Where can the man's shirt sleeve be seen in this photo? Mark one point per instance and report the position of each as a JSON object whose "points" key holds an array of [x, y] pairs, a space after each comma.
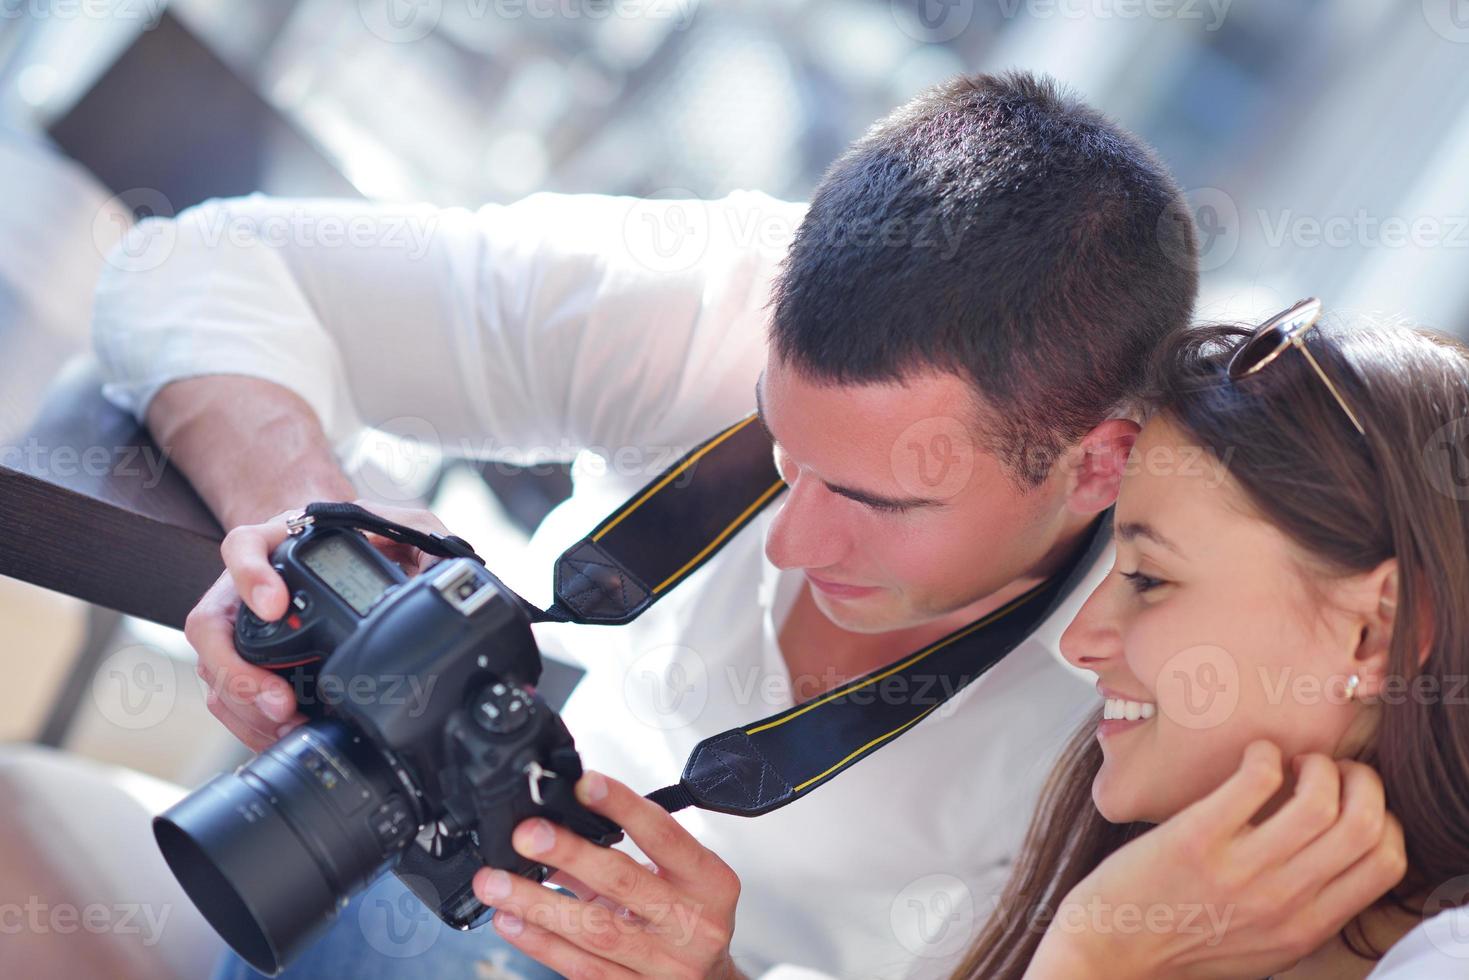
{"points": [[525, 332]]}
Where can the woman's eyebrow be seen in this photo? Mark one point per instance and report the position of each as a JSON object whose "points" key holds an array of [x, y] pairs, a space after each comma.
{"points": [[1129, 530]]}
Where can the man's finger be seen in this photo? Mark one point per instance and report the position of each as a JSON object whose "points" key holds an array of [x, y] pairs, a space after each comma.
{"points": [[254, 739], [609, 873], [586, 892], [573, 884], [262, 699], [591, 927], [666, 843], [551, 950], [246, 551]]}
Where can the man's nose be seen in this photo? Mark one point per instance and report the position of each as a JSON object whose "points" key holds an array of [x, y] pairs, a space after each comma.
{"points": [[1094, 638], [806, 532]]}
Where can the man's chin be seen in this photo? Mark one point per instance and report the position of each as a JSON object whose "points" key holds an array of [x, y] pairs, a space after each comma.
{"points": [[868, 614]]}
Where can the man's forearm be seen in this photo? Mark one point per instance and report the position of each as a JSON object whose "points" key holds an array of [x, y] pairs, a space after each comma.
{"points": [[251, 448]]}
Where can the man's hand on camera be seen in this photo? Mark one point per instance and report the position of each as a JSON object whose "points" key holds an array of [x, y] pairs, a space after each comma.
{"points": [[674, 919], [254, 704]]}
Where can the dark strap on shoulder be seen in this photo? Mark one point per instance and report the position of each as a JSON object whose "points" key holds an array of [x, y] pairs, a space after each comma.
{"points": [[665, 533], [669, 529], [760, 767]]}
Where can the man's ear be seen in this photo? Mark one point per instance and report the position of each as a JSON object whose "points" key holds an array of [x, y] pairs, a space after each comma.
{"points": [[1096, 464]]}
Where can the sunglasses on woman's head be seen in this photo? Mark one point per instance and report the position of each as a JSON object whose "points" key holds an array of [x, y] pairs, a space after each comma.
{"points": [[1270, 340]]}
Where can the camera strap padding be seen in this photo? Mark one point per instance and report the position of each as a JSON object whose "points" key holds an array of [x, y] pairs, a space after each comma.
{"points": [[676, 523], [668, 529]]}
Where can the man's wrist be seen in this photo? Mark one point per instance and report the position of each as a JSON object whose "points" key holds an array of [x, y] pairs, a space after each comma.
{"points": [[257, 507], [251, 449]]}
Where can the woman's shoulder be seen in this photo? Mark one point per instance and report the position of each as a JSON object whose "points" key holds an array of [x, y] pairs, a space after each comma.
{"points": [[1437, 949]]}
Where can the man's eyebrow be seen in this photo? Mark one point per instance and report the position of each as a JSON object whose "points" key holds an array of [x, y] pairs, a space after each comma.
{"points": [[878, 500], [1130, 530]]}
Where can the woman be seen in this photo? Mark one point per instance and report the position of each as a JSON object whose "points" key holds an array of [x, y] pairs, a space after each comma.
{"points": [[1313, 575]]}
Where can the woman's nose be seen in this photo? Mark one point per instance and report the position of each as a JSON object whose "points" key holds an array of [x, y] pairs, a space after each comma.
{"points": [[1093, 638], [806, 532]]}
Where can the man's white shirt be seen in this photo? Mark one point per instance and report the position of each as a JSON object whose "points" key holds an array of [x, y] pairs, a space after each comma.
{"points": [[632, 328]]}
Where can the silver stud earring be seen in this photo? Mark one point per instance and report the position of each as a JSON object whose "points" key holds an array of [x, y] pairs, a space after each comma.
{"points": [[1352, 683]]}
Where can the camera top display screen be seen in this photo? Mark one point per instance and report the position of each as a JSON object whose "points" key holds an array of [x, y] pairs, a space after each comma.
{"points": [[358, 582]]}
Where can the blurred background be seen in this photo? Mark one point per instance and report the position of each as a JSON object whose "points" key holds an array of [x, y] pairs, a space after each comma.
{"points": [[1324, 149], [1323, 146]]}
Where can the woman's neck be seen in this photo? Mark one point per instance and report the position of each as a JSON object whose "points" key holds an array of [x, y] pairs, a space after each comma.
{"points": [[1383, 925]]}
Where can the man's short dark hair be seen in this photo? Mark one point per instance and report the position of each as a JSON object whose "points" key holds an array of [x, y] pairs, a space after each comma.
{"points": [[999, 228]]}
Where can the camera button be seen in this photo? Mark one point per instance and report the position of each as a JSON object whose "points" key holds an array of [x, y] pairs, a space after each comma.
{"points": [[392, 823]]}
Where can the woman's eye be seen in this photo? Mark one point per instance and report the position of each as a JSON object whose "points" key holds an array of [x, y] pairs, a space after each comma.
{"points": [[888, 508], [1142, 583]]}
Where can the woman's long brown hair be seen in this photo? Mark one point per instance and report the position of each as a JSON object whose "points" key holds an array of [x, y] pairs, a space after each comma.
{"points": [[1349, 503]]}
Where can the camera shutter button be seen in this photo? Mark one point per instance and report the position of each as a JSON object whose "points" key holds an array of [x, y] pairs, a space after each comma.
{"points": [[502, 708]]}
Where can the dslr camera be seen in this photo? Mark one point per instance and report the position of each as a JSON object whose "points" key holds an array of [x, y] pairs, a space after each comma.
{"points": [[428, 786]]}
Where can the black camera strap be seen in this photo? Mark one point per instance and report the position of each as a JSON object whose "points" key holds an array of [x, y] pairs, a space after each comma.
{"points": [[676, 523]]}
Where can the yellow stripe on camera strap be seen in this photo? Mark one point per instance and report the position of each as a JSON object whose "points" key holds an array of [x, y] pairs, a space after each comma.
{"points": [[681, 519], [668, 529]]}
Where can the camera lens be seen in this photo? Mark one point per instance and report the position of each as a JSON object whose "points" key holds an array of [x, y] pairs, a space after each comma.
{"points": [[270, 852]]}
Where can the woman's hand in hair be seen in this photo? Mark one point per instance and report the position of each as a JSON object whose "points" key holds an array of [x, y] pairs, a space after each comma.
{"points": [[1245, 882]]}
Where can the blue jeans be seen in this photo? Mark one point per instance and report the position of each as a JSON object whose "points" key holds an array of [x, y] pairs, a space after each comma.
{"points": [[385, 933]]}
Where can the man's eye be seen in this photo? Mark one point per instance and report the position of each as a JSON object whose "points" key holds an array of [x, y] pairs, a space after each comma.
{"points": [[885, 508], [1142, 583]]}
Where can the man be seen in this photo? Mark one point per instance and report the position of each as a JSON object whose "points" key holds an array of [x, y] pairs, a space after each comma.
{"points": [[954, 334]]}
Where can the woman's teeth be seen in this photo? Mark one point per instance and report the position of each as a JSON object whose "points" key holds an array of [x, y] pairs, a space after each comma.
{"points": [[1118, 709]]}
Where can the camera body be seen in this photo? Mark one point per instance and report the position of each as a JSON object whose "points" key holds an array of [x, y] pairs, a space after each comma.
{"points": [[427, 744]]}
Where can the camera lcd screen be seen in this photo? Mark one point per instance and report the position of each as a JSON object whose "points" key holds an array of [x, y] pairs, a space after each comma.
{"points": [[358, 582]]}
